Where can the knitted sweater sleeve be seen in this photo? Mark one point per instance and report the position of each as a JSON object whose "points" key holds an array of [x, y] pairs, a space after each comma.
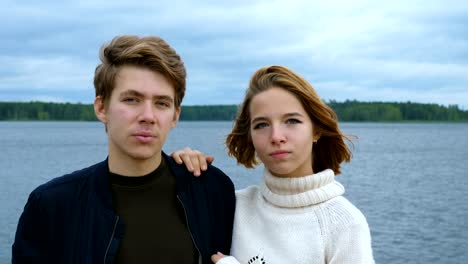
{"points": [[351, 244]]}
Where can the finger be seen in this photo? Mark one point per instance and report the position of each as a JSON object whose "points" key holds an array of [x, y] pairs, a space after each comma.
{"points": [[185, 155], [199, 162], [195, 161], [176, 156], [202, 160], [187, 160], [209, 159], [216, 257]]}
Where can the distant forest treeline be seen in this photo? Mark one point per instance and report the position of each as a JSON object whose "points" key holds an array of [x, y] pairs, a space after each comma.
{"points": [[348, 111]]}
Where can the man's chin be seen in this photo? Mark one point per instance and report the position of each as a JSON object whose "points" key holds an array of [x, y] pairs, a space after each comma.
{"points": [[146, 155]]}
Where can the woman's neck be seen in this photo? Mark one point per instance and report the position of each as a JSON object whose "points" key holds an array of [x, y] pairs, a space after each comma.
{"points": [[301, 191]]}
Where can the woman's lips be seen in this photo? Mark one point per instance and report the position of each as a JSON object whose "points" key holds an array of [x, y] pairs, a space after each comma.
{"points": [[279, 154]]}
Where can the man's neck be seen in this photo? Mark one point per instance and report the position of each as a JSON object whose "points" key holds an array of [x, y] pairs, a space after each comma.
{"points": [[133, 167]]}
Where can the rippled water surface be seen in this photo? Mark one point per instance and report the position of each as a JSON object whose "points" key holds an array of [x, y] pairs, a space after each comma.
{"points": [[410, 180]]}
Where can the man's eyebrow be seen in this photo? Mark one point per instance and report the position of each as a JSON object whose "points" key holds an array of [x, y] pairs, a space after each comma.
{"points": [[130, 93], [163, 97], [138, 94]]}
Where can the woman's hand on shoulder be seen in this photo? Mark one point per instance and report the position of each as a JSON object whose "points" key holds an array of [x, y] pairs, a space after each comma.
{"points": [[219, 258], [195, 160]]}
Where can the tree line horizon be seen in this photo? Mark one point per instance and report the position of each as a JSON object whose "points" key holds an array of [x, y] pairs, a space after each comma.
{"points": [[347, 111]]}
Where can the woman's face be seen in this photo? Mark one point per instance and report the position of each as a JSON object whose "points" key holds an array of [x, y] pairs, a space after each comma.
{"points": [[282, 133]]}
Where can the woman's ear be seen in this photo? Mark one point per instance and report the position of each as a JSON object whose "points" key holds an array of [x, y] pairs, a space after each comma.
{"points": [[100, 109], [316, 135]]}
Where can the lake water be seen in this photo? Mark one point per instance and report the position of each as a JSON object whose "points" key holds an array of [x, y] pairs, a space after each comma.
{"points": [[410, 180]]}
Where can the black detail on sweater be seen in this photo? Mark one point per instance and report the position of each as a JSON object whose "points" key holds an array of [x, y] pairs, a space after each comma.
{"points": [[256, 259]]}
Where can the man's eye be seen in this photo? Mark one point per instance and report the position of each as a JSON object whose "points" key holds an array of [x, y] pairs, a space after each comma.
{"points": [[130, 100], [163, 104]]}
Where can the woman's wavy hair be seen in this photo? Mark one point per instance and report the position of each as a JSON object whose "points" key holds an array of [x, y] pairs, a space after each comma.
{"points": [[151, 53], [328, 152]]}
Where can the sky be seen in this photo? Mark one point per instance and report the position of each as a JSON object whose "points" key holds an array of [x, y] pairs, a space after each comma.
{"points": [[391, 51]]}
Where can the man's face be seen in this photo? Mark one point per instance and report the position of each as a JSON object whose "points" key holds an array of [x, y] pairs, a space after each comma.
{"points": [[139, 115]]}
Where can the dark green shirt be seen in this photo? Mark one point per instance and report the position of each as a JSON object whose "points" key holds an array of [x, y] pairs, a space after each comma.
{"points": [[155, 223]]}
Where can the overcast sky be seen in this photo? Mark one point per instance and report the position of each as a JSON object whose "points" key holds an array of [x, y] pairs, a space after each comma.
{"points": [[365, 50]]}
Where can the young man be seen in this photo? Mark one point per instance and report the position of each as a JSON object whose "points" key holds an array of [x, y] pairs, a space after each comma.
{"points": [[137, 206]]}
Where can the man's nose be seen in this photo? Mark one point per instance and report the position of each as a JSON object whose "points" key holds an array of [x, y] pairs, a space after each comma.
{"points": [[147, 113]]}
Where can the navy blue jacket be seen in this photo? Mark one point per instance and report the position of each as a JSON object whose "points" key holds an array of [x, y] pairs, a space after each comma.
{"points": [[71, 219]]}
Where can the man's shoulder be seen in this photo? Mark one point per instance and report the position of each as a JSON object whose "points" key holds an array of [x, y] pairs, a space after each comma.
{"points": [[71, 180], [213, 173]]}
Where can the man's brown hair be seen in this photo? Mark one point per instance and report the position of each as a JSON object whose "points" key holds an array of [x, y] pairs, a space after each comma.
{"points": [[152, 53]]}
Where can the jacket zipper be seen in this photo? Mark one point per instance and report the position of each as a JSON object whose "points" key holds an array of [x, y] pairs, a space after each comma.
{"points": [[111, 238], [190, 232]]}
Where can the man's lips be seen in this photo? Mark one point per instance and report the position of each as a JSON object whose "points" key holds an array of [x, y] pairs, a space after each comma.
{"points": [[279, 154], [144, 137]]}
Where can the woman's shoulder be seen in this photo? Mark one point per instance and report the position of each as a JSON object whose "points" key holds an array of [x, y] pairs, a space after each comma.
{"points": [[339, 211], [248, 192], [249, 196]]}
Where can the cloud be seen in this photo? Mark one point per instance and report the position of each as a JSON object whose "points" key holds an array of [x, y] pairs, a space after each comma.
{"points": [[361, 49], [35, 73]]}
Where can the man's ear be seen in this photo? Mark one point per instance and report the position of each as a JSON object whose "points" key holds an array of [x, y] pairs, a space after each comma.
{"points": [[100, 109], [175, 120]]}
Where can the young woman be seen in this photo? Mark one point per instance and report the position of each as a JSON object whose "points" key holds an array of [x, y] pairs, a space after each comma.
{"points": [[298, 214]]}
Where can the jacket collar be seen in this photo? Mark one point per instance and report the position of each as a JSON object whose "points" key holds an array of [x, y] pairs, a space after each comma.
{"points": [[102, 186]]}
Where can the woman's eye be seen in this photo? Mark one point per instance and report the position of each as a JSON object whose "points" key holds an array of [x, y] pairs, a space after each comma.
{"points": [[293, 121], [260, 125]]}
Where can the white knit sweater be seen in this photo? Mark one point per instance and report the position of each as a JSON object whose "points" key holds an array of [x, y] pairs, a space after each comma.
{"points": [[298, 220]]}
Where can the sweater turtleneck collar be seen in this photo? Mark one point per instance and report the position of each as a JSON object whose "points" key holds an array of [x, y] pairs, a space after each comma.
{"points": [[302, 191]]}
